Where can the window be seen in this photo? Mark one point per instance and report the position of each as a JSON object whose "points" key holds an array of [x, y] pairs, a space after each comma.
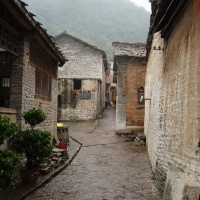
{"points": [[6, 82], [77, 84], [59, 101], [5, 62], [42, 85], [46, 70], [141, 96]]}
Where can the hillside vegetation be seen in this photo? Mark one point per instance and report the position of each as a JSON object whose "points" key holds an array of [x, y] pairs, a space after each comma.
{"points": [[98, 22]]}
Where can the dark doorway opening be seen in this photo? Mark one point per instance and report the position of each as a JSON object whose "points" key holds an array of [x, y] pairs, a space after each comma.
{"points": [[77, 84]]}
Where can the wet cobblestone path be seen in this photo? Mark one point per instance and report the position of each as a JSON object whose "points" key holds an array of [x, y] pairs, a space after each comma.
{"points": [[107, 167]]}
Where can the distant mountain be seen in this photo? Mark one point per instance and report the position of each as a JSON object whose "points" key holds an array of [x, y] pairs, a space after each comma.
{"points": [[98, 22]]}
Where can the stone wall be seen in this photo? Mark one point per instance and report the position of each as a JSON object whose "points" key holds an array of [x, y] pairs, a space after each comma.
{"points": [[23, 91], [172, 123], [84, 61], [85, 64], [75, 107]]}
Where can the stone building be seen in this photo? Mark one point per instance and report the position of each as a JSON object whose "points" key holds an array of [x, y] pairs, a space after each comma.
{"points": [[129, 73], [172, 119], [28, 65], [81, 80]]}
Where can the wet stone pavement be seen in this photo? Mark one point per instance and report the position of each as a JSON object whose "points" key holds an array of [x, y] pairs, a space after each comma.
{"points": [[107, 167]]}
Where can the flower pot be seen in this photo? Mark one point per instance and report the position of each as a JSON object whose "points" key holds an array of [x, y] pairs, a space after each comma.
{"points": [[29, 176]]}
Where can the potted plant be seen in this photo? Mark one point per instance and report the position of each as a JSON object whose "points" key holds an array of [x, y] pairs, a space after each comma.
{"points": [[34, 144], [9, 160]]}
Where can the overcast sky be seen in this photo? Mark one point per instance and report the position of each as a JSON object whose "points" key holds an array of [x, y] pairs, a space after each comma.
{"points": [[143, 3]]}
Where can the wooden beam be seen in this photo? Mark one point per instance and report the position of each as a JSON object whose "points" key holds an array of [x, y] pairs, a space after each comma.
{"points": [[17, 14]]}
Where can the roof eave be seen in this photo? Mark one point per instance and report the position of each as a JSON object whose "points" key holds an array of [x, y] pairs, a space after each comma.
{"points": [[17, 8]]}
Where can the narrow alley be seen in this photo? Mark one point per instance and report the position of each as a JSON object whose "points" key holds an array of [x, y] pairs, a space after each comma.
{"points": [[107, 167]]}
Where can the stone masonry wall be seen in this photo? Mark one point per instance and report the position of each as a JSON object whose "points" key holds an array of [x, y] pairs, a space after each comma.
{"points": [[135, 79], [84, 61], [23, 94], [172, 121], [86, 64], [77, 108]]}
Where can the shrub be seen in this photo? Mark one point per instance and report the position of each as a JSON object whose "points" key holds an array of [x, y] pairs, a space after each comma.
{"points": [[9, 160], [34, 116], [7, 128], [35, 144], [9, 170]]}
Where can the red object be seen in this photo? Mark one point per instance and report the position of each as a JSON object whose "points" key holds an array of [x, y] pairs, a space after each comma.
{"points": [[63, 145]]}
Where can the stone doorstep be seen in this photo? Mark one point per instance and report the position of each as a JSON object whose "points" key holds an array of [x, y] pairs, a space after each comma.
{"points": [[130, 130], [133, 135]]}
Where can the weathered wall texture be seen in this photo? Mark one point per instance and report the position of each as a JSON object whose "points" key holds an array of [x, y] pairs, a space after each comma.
{"points": [[121, 98], [130, 76], [135, 79], [75, 108], [154, 107], [23, 92], [172, 123], [85, 64], [84, 61]]}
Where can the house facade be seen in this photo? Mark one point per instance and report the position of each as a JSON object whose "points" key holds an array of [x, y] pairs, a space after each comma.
{"points": [[82, 84], [129, 74], [172, 119], [28, 65]]}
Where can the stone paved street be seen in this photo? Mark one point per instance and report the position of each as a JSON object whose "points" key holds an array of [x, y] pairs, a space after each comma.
{"points": [[107, 167]]}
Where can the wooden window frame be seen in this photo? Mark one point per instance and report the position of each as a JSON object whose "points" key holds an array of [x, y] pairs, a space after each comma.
{"points": [[45, 70], [43, 85]]}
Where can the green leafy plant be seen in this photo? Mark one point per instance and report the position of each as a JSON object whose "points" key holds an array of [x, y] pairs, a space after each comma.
{"points": [[7, 128], [9, 170], [34, 116], [9, 160], [34, 144]]}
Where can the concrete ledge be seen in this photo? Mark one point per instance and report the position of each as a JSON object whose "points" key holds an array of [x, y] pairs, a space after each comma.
{"points": [[180, 187], [129, 129], [8, 110]]}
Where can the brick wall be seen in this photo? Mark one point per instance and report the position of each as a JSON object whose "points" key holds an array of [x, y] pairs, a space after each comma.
{"points": [[135, 80], [172, 121], [154, 111], [130, 76]]}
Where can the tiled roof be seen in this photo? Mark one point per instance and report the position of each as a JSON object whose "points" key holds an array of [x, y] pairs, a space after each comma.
{"points": [[25, 18], [129, 49], [65, 34]]}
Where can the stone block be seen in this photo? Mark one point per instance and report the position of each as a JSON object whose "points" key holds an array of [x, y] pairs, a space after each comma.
{"points": [[180, 187]]}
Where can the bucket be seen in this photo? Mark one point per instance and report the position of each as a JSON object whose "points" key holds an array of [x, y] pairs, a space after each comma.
{"points": [[63, 145]]}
